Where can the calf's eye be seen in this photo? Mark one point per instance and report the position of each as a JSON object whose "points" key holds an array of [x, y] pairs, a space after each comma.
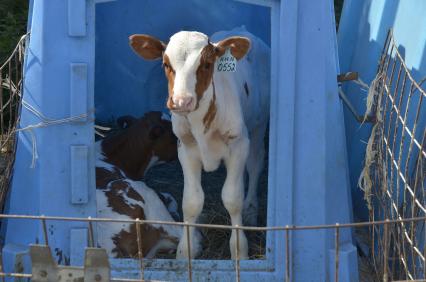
{"points": [[207, 66]]}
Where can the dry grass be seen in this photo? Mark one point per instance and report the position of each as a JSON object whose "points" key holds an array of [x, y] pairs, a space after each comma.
{"points": [[365, 264], [168, 178]]}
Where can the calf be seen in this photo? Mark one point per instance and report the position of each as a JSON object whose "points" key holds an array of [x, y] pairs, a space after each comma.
{"points": [[216, 115], [121, 158]]}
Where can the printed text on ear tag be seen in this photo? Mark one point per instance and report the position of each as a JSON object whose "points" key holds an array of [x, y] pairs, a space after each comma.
{"points": [[227, 62]]}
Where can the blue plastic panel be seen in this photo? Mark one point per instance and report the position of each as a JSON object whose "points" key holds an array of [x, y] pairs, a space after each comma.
{"points": [[79, 174], [78, 243], [79, 89], [76, 17]]}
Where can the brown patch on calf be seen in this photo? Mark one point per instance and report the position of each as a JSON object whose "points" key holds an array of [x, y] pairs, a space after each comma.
{"points": [[132, 148], [204, 73], [188, 139], [147, 46], [210, 114], [126, 241], [246, 89], [105, 176], [239, 46], [117, 202], [170, 75]]}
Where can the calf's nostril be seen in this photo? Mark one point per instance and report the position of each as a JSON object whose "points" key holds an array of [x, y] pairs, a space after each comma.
{"points": [[188, 102]]}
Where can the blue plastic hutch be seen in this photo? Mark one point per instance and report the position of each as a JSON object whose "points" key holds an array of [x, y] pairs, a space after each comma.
{"points": [[78, 62]]}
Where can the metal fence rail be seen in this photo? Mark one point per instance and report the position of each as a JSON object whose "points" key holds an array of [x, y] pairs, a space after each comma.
{"points": [[11, 79], [394, 175], [287, 231]]}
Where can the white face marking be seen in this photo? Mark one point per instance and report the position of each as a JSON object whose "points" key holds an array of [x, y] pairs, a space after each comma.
{"points": [[183, 51]]}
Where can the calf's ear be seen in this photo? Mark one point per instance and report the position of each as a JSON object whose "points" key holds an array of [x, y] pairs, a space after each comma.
{"points": [[146, 46], [125, 121], [238, 45]]}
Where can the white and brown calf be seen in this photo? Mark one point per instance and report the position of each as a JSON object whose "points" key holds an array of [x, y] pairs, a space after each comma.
{"points": [[216, 116], [122, 159]]}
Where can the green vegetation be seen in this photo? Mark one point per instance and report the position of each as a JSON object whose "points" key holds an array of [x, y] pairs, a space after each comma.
{"points": [[13, 24], [338, 5]]}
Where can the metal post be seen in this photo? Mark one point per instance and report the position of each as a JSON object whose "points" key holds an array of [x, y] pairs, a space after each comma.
{"points": [[287, 254], [43, 222], [140, 253], [188, 242], [385, 252], [91, 236], [336, 248], [237, 255]]}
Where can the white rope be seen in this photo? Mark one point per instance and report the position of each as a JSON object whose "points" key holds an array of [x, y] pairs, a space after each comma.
{"points": [[45, 122], [361, 83], [104, 128]]}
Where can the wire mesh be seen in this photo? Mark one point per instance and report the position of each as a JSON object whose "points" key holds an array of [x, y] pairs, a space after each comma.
{"points": [[287, 231], [394, 177], [11, 78]]}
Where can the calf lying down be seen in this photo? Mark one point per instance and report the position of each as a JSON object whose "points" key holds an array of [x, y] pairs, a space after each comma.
{"points": [[143, 143]]}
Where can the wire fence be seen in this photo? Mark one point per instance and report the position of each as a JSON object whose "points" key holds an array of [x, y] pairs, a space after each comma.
{"points": [[394, 175], [11, 80], [286, 231]]}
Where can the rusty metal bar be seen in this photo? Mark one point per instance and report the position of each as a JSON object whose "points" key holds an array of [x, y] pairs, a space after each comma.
{"points": [[237, 255], [336, 248], [349, 76], [424, 249], [10, 93], [351, 108], [91, 234], [1, 107], [140, 253], [215, 226], [16, 275], [1, 266], [43, 222], [385, 252], [384, 52], [287, 254], [188, 242]]}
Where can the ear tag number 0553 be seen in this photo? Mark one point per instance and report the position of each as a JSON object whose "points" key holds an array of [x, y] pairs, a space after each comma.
{"points": [[227, 62]]}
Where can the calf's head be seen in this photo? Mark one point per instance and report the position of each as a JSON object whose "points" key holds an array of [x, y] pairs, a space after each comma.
{"points": [[142, 140], [188, 61]]}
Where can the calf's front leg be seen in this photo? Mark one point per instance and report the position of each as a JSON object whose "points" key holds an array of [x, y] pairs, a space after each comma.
{"points": [[233, 192], [193, 198]]}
